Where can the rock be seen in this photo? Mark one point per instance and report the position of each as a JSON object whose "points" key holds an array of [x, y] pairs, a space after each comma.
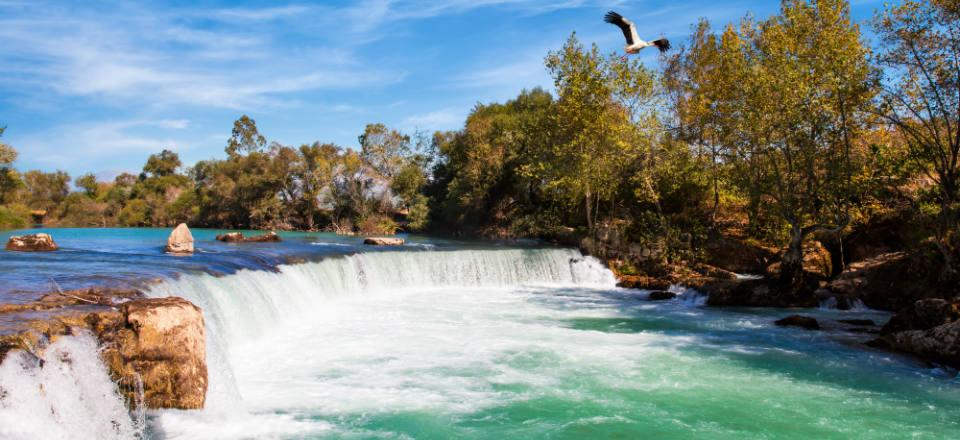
{"points": [[924, 314], [167, 348], [805, 322], [237, 237], [661, 295], [159, 341], [32, 243], [895, 280], [938, 344], [231, 237], [714, 272], [643, 282], [180, 241], [858, 322], [383, 241], [269, 237]]}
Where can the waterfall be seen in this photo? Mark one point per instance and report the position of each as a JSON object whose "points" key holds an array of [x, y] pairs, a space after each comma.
{"points": [[241, 307], [70, 397]]}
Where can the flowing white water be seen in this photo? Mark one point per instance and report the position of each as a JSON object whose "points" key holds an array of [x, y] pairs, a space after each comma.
{"points": [[292, 311], [71, 397]]}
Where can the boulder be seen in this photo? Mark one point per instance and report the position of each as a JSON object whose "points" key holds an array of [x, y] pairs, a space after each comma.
{"points": [[801, 321], [32, 243], [180, 241], [231, 237], [238, 237], [269, 237], [661, 295], [930, 328], [893, 281], [383, 241]]}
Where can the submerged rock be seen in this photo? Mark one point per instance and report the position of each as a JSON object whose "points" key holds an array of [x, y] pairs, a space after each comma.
{"points": [[238, 237], [661, 295], [32, 243], [180, 241], [859, 322], [383, 241], [801, 321]]}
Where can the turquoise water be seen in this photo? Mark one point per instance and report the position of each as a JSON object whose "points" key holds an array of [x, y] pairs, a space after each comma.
{"points": [[454, 340]]}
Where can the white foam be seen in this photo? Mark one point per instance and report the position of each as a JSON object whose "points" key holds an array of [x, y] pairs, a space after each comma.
{"points": [[70, 397]]}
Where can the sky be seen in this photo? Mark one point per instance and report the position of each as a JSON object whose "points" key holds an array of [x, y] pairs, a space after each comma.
{"points": [[97, 86]]}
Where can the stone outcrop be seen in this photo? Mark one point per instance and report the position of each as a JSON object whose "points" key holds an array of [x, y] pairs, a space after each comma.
{"points": [[32, 243], [180, 241], [804, 322], [893, 281], [159, 341], [238, 237], [383, 241], [929, 328]]}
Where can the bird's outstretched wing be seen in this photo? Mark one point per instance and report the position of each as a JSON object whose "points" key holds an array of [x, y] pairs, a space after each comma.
{"points": [[629, 31], [663, 44]]}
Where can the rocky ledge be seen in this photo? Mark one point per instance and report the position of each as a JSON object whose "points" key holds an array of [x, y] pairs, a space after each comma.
{"points": [[32, 243], [159, 341], [238, 237], [929, 328]]}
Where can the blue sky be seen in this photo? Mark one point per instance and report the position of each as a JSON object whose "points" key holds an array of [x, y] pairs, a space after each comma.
{"points": [[97, 86]]}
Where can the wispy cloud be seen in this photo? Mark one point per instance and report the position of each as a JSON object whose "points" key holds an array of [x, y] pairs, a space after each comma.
{"points": [[444, 119]]}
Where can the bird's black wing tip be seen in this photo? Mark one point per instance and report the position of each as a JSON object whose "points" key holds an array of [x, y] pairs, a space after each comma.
{"points": [[663, 44], [612, 17]]}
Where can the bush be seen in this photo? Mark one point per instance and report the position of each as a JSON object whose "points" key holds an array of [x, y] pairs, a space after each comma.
{"points": [[378, 225], [14, 217]]}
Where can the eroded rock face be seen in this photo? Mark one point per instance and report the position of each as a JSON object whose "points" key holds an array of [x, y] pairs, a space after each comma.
{"points": [[737, 255], [32, 243], [164, 342], [159, 341], [180, 241], [383, 241]]}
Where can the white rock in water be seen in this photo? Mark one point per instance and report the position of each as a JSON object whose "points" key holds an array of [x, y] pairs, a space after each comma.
{"points": [[383, 241], [180, 241]]}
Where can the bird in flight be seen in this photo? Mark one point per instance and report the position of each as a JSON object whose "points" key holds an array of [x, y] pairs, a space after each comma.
{"points": [[634, 43]]}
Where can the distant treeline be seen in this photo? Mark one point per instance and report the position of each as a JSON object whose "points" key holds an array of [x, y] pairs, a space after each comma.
{"points": [[784, 128]]}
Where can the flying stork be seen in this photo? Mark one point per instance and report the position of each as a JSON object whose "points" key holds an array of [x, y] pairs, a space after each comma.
{"points": [[634, 43]]}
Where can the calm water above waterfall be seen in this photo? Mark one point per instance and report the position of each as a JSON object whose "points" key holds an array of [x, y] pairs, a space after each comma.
{"points": [[453, 340]]}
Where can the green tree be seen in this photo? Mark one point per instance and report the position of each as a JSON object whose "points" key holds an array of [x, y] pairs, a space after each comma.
{"points": [[166, 163], [88, 183], [9, 178], [245, 138], [46, 191]]}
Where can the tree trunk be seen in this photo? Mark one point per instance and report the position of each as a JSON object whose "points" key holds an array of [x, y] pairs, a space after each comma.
{"points": [[791, 266], [586, 200]]}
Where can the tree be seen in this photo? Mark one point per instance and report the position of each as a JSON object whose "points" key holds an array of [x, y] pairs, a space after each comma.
{"points": [[384, 149], [9, 178], [245, 138], [88, 183], [921, 99], [46, 191], [166, 163]]}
